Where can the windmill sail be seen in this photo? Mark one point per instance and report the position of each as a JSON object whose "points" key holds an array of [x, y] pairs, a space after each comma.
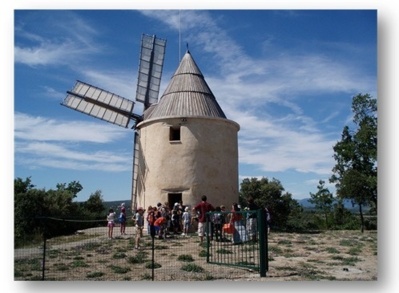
{"points": [[100, 104], [138, 170], [150, 69], [115, 109]]}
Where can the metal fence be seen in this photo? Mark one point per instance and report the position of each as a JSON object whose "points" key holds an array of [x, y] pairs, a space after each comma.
{"points": [[243, 245], [88, 254]]}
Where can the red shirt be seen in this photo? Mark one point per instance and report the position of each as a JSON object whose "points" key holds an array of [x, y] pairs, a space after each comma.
{"points": [[203, 207], [235, 216], [159, 221]]}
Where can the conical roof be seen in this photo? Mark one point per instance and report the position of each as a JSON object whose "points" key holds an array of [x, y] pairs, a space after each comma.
{"points": [[187, 95]]}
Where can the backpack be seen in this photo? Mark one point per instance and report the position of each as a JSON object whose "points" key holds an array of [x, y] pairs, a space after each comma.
{"points": [[122, 218]]}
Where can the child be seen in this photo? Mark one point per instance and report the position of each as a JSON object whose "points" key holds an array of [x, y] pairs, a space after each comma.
{"points": [[186, 221], [139, 225], [175, 222], [217, 222], [160, 225], [111, 222], [150, 218]]}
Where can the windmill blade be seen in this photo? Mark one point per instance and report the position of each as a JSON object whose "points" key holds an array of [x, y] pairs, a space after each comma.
{"points": [[139, 169], [150, 69], [100, 104]]}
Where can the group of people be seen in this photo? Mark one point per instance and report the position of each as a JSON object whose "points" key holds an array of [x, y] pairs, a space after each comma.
{"points": [[162, 220], [242, 230], [111, 219], [138, 219]]}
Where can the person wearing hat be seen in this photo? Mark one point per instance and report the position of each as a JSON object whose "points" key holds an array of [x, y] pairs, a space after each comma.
{"points": [[139, 217], [122, 207]]}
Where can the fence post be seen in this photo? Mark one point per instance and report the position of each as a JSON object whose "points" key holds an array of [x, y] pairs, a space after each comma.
{"points": [[44, 223], [152, 232], [207, 229], [263, 257]]}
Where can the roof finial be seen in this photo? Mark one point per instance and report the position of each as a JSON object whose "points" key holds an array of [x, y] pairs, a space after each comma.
{"points": [[187, 48]]}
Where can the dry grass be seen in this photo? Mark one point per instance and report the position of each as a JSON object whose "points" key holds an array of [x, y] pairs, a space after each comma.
{"points": [[332, 255]]}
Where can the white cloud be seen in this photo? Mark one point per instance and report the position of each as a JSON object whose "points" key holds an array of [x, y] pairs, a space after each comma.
{"points": [[244, 85], [44, 149], [43, 154], [45, 129], [249, 90], [43, 142], [76, 44]]}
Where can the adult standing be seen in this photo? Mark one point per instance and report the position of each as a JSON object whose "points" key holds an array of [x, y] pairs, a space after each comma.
{"points": [[252, 218], [240, 233], [202, 208], [122, 219]]}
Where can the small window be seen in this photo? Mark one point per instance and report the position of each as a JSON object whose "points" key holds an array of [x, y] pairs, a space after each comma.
{"points": [[174, 133]]}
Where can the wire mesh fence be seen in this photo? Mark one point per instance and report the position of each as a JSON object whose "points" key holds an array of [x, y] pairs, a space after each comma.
{"points": [[89, 254]]}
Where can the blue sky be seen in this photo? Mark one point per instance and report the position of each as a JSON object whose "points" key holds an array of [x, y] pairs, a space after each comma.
{"points": [[286, 76]]}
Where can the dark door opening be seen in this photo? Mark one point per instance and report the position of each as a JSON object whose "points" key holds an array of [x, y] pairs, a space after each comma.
{"points": [[174, 197]]}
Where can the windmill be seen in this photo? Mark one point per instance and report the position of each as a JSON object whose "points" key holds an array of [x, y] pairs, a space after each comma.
{"points": [[112, 108]]}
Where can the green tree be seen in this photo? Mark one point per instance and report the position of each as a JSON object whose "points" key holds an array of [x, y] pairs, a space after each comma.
{"points": [[29, 207], [60, 203], [355, 172], [35, 210], [269, 193], [74, 187], [48, 213], [323, 200], [22, 186], [95, 204]]}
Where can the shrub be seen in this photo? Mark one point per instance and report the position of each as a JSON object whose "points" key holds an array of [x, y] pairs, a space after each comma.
{"points": [[191, 267], [92, 275], [119, 255], [370, 223], [79, 264], [203, 253], [149, 265], [185, 257], [332, 250], [119, 270], [138, 258]]}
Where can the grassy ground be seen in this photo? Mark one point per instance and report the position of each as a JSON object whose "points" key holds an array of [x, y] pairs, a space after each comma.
{"points": [[332, 255]]}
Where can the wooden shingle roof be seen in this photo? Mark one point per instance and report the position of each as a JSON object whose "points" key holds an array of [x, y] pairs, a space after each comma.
{"points": [[187, 94]]}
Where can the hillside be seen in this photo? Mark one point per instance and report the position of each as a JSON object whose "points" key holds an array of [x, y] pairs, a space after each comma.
{"points": [[347, 204]]}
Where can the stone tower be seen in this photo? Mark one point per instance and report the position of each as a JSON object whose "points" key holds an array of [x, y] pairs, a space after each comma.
{"points": [[188, 148]]}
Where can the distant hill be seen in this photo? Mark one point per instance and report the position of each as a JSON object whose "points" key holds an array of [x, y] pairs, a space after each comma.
{"points": [[116, 204], [347, 204]]}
